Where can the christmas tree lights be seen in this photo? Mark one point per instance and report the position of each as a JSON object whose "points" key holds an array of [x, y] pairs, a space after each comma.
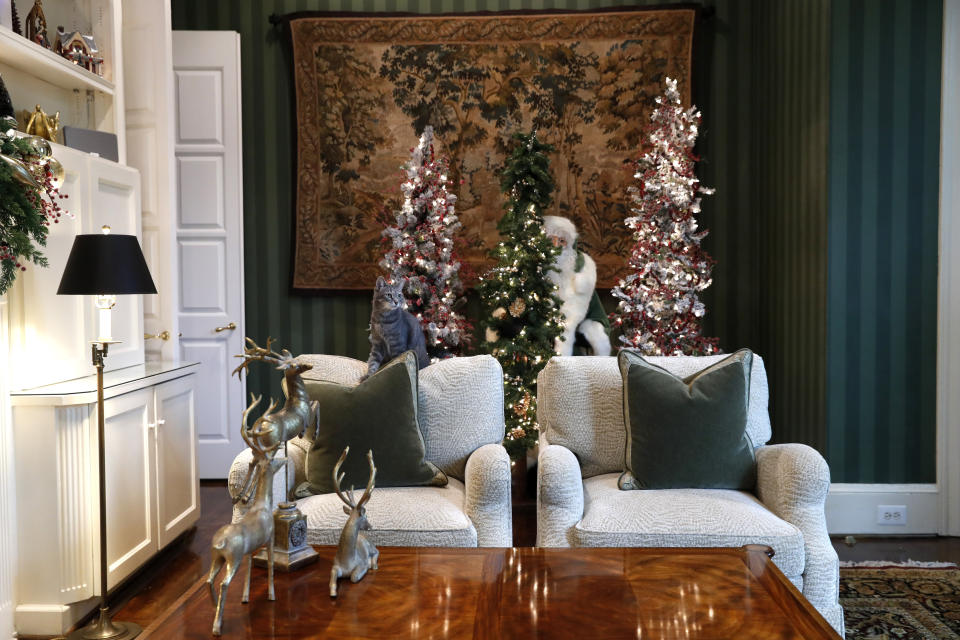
{"points": [[421, 251], [520, 303], [660, 311]]}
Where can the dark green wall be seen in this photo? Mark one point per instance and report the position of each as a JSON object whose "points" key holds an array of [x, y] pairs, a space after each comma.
{"points": [[764, 78], [790, 110], [882, 293]]}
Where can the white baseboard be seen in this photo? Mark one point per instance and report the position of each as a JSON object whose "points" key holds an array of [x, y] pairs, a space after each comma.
{"points": [[852, 509], [51, 619]]}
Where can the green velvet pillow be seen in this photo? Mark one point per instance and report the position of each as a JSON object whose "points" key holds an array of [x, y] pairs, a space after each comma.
{"points": [[379, 414], [687, 433]]}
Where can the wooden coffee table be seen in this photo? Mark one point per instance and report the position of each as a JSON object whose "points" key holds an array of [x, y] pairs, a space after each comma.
{"points": [[516, 593]]}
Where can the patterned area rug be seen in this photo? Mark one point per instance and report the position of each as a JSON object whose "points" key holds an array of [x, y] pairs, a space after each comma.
{"points": [[894, 602]]}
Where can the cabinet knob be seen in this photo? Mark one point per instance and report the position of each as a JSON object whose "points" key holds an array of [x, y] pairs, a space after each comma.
{"points": [[229, 327], [163, 335]]}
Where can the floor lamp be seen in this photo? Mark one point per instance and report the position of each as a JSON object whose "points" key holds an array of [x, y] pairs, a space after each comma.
{"points": [[105, 265]]}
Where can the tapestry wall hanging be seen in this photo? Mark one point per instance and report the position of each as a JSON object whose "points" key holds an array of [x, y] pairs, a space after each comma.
{"points": [[366, 86]]}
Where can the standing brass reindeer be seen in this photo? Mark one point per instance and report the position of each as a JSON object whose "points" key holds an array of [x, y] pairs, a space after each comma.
{"points": [[255, 529], [298, 411], [355, 553]]}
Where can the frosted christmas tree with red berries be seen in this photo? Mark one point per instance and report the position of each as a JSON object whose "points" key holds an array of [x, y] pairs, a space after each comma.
{"points": [[421, 251], [659, 310]]}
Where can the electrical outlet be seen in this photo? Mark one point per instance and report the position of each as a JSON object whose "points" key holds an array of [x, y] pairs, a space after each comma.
{"points": [[894, 514]]}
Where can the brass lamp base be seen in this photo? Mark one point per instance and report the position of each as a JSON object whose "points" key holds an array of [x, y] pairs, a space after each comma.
{"points": [[103, 628], [290, 548]]}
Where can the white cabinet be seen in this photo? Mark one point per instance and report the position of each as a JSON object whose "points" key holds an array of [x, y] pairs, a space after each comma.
{"points": [[151, 483], [178, 503], [131, 482], [50, 334]]}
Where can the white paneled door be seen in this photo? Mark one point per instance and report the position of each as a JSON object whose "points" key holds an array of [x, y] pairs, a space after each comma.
{"points": [[206, 70]]}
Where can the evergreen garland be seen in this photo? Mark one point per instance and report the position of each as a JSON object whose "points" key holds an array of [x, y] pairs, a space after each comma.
{"points": [[520, 304], [25, 215]]}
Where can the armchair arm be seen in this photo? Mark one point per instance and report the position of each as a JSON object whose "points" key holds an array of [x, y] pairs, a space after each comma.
{"points": [[793, 481], [238, 473], [559, 496], [487, 479]]}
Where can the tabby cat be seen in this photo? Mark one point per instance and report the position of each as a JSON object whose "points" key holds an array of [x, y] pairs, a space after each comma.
{"points": [[393, 329]]}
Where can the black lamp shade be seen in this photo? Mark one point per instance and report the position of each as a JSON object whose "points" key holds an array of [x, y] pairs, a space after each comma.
{"points": [[105, 265]]}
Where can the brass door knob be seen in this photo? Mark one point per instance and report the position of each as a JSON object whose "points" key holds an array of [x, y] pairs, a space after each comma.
{"points": [[229, 327], [163, 335]]}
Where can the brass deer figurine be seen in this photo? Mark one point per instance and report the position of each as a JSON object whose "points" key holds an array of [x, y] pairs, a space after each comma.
{"points": [[355, 553], [298, 411], [255, 529]]}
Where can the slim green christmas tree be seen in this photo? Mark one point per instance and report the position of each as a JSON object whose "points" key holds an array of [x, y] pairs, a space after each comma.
{"points": [[520, 303]]}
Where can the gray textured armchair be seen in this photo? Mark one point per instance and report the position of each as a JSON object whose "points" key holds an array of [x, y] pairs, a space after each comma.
{"points": [[580, 411], [461, 419]]}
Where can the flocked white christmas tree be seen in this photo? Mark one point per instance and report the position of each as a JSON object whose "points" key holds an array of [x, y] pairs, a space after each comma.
{"points": [[422, 251], [659, 310]]}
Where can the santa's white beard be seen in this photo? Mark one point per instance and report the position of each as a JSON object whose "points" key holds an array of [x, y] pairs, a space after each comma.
{"points": [[566, 262]]}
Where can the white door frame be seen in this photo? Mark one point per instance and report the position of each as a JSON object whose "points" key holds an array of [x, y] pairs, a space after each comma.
{"points": [[948, 312]]}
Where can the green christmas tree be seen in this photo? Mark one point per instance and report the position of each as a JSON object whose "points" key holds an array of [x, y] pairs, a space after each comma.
{"points": [[520, 303]]}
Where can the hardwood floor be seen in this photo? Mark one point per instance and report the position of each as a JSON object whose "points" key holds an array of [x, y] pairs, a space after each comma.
{"points": [[893, 549], [163, 580]]}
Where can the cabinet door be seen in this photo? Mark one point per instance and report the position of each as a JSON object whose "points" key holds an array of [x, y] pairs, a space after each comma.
{"points": [[131, 515], [178, 504]]}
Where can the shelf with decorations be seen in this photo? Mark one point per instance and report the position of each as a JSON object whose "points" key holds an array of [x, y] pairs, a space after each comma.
{"points": [[35, 74], [43, 64]]}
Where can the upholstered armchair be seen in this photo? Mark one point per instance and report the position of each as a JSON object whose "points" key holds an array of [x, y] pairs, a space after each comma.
{"points": [[461, 419], [580, 411]]}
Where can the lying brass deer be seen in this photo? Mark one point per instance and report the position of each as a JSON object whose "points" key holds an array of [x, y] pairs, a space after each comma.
{"points": [[355, 553], [298, 411], [234, 541]]}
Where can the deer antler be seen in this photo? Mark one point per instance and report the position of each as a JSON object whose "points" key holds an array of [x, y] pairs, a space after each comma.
{"points": [[244, 429], [373, 475], [259, 425], [245, 487], [283, 360], [338, 478], [349, 499]]}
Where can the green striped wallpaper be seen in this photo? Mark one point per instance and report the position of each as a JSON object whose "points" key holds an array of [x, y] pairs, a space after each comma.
{"points": [[882, 292], [765, 80], [790, 103]]}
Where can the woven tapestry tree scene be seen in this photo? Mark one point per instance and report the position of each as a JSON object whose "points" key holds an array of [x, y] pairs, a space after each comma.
{"points": [[366, 87]]}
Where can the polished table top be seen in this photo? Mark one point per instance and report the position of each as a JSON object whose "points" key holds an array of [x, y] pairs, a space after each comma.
{"points": [[517, 593]]}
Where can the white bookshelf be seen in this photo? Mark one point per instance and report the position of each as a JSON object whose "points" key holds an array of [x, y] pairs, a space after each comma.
{"points": [[36, 75], [43, 64]]}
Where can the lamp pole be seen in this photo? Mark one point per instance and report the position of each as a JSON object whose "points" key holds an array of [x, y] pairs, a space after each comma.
{"points": [[104, 628]]}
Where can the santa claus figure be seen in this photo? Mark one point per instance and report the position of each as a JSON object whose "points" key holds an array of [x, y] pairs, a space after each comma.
{"points": [[576, 278]]}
